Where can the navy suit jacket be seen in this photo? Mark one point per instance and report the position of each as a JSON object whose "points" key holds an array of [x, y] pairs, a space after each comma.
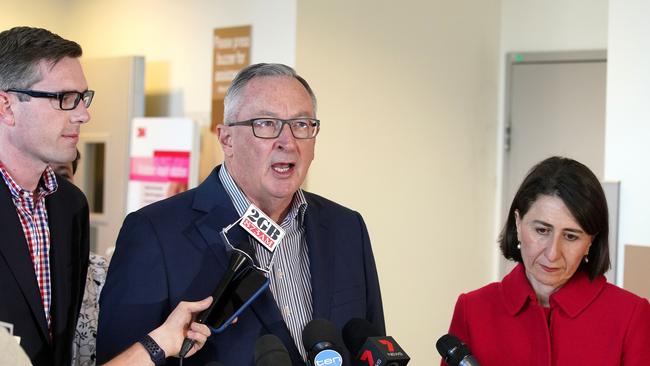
{"points": [[20, 299], [170, 251]]}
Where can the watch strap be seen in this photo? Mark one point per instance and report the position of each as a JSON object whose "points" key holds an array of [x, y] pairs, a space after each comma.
{"points": [[155, 352]]}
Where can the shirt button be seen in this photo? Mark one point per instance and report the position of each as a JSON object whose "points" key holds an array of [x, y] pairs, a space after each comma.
{"points": [[280, 274]]}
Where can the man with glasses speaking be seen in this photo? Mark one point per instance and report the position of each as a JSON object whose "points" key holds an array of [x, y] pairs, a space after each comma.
{"points": [[44, 100], [178, 249]]}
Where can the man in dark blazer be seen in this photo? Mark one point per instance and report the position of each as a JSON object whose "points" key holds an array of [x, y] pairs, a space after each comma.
{"points": [[172, 251], [44, 232]]}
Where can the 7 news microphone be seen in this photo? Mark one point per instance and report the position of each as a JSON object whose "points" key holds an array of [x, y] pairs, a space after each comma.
{"points": [[455, 352], [369, 347], [237, 262], [323, 343]]}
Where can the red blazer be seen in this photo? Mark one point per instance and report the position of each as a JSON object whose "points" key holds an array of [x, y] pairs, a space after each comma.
{"points": [[591, 323]]}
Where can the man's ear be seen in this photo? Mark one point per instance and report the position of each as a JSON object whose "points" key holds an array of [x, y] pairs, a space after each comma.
{"points": [[6, 114], [224, 133]]}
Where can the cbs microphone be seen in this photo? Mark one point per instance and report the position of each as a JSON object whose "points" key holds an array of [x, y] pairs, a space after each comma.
{"points": [[269, 351], [323, 344], [238, 261], [369, 347], [454, 352]]}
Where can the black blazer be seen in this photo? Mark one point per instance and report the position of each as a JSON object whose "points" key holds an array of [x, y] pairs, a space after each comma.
{"points": [[20, 299], [170, 251]]}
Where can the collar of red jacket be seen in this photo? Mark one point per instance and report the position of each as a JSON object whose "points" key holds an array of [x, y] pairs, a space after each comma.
{"points": [[572, 298]]}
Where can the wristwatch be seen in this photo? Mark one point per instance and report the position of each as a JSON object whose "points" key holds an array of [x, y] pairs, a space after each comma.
{"points": [[155, 352]]}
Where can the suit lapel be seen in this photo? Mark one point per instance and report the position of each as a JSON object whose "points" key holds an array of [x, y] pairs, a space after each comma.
{"points": [[15, 251], [209, 227], [212, 199], [321, 259]]}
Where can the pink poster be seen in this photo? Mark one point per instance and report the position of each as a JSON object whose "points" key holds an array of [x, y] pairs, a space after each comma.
{"points": [[161, 159]]}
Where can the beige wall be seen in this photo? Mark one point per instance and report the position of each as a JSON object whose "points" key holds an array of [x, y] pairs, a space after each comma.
{"points": [[44, 13], [407, 98], [175, 37], [538, 25]]}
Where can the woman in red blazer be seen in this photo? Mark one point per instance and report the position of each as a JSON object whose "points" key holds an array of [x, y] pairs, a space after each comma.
{"points": [[555, 307]]}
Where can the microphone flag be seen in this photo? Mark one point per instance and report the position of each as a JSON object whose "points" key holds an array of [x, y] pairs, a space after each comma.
{"points": [[262, 228], [379, 350]]}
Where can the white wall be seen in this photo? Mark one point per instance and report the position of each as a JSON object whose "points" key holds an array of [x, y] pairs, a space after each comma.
{"points": [[628, 115], [542, 25], [407, 98]]}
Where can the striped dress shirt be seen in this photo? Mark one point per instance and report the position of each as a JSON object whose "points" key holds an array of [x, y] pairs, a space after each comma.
{"points": [[289, 276], [32, 213]]}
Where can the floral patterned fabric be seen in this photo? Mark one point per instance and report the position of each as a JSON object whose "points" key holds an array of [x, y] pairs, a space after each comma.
{"points": [[85, 338]]}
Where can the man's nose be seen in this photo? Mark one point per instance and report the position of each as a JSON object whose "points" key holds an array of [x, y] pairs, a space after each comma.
{"points": [[80, 114]]}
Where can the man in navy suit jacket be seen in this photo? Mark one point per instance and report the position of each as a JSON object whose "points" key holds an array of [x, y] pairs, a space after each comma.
{"points": [[171, 251]]}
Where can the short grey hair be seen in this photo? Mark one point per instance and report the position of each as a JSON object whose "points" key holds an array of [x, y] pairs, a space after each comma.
{"points": [[231, 101]]}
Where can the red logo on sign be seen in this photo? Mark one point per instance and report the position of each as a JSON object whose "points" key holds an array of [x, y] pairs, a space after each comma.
{"points": [[142, 132], [261, 236]]}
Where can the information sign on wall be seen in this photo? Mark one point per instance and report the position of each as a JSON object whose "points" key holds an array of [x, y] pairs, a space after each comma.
{"points": [[231, 54]]}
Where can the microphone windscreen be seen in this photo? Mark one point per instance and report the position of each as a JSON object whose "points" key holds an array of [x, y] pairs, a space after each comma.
{"points": [[355, 333], [452, 349], [320, 330], [269, 351]]}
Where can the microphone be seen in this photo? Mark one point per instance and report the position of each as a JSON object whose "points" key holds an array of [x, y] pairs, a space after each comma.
{"points": [[323, 343], [369, 347], [455, 352], [237, 262], [269, 351]]}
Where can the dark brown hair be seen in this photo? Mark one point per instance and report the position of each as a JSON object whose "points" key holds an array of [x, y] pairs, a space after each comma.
{"points": [[582, 194]]}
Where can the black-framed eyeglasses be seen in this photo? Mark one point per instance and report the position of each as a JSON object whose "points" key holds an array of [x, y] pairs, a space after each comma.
{"points": [[270, 128], [68, 100]]}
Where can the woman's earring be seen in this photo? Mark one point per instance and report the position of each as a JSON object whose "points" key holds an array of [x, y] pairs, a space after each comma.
{"points": [[586, 258], [518, 245]]}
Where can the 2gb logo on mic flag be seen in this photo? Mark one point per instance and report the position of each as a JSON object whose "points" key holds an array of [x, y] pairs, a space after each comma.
{"points": [[262, 228]]}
